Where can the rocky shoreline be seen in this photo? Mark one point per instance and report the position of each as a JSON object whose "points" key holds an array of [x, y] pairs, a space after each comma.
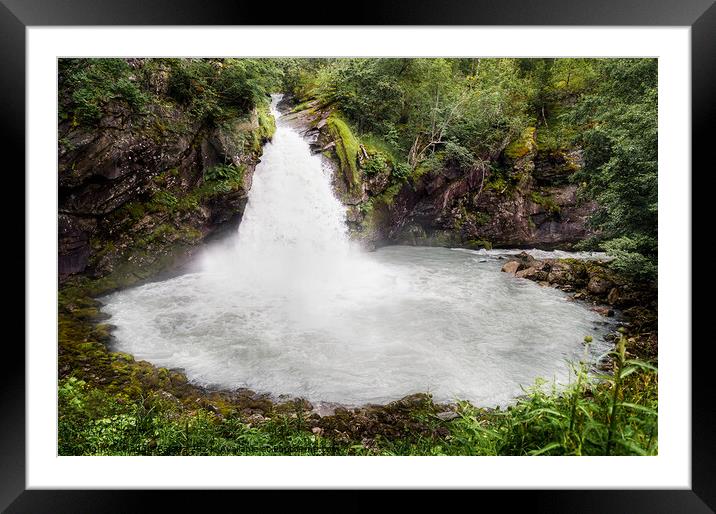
{"points": [[593, 283]]}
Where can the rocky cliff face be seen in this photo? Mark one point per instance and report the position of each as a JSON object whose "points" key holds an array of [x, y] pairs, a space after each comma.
{"points": [[531, 206], [138, 193], [522, 198]]}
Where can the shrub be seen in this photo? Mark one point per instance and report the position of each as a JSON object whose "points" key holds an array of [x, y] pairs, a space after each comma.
{"points": [[401, 171], [88, 85], [458, 155], [165, 200], [377, 163], [224, 173]]}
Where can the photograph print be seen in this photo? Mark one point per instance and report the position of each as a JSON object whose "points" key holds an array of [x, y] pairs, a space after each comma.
{"points": [[357, 256]]}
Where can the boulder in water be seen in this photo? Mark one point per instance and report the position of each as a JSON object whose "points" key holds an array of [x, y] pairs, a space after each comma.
{"points": [[526, 273], [511, 267]]}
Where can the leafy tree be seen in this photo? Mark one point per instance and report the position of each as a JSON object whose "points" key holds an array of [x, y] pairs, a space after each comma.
{"points": [[217, 89], [620, 141]]}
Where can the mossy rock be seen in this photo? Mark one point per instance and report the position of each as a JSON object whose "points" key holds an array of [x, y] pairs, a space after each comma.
{"points": [[524, 144], [546, 202], [121, 356], [479, 243], [347, 148]]}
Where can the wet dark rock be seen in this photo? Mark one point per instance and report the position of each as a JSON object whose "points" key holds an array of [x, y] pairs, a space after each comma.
{"points": [[603, 310], [525, 259], [613, 296], [599, 285], [414, 400], [341, 411], [526, 272], [121, 183], [293, 405], [73, 249]]}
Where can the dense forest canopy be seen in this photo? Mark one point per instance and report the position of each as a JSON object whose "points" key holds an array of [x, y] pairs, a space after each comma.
{"points": [[422, 114]]}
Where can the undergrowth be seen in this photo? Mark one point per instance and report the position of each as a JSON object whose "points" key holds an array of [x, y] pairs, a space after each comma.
{"points": [[597, 414]]}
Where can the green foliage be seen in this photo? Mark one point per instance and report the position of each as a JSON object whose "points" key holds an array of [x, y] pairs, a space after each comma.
{"points": [[497, 182], [135, 210], [95, 422], [481, 218], [298, 76], [365, 89], [596, 414], [496, 108], [629, 257], [464, 109], [458, 155], [620, 141], [219, 89], [224, 173], [90, 84], [213, 90], [164, 200], [401, 171], [607, 414], [303, 106], [546, 202], [267, 123], [521, 146], [479, 243], [377, 163]]}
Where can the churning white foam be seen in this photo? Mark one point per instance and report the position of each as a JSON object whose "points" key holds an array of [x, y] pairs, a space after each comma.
{"points": [[288, 306]]}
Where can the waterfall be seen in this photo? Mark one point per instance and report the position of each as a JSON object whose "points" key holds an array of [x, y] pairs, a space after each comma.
{"points": [[292, 210], [292, 241], [289, 306]]}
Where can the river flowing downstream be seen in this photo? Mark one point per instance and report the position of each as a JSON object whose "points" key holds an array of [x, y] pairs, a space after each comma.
{"points": [[289, 306]]}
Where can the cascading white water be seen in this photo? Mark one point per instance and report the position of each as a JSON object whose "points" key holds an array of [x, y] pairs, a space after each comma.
{"points": [[290, 307], [293, 240]]}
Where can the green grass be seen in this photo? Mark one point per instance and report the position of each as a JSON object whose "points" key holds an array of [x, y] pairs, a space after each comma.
{"points": [[93, 422], [596, 415]]}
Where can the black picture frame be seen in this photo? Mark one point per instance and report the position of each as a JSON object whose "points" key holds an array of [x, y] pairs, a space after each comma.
{"points": [[700, 15]]}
